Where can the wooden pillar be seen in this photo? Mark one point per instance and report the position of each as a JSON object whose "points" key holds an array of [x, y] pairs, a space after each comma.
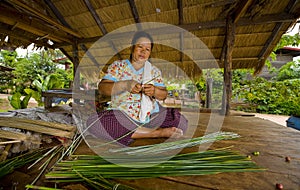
{"points": [[209, 86], [229, 43], [76, 82]]}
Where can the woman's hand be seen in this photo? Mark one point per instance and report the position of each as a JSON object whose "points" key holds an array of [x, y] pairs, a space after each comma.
{"points": [[149, 90], [134, 87]]}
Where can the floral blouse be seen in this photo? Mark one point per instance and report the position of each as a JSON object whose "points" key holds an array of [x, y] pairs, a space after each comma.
{"points": [[127, 102]]}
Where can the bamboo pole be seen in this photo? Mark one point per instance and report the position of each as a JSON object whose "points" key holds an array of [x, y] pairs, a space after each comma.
{"points": [[13, 135], [40, 122], [11, 122], [10, 142], [5, 153]]}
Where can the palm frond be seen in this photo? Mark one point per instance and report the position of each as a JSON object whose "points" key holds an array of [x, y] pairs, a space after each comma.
{"points": [[196, 163], [175, 145]]}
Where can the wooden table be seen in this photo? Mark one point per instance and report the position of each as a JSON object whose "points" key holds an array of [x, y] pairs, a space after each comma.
{"points": [[50, 94], [77, 96]]}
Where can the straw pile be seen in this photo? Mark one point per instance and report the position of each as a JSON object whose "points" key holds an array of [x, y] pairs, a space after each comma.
{"points": [[20, 134]]}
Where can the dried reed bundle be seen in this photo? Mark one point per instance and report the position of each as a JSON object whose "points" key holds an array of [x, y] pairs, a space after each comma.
{"points": [[37, 126]]}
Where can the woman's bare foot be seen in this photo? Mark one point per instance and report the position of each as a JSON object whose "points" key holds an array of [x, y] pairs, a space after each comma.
{"points": [[172, 132]]}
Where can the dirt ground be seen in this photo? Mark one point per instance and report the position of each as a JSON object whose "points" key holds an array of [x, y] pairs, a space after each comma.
{"points": [[5, 105], [273, 140]]}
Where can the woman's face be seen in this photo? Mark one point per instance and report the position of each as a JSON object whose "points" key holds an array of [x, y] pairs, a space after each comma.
{"points": [[142, 50]]}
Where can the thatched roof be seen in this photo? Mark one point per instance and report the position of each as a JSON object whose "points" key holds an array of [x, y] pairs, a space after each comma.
{"points": [[75, 26]]}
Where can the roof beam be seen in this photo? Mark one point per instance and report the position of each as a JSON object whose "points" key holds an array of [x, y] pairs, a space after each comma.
{"points": [[180, 11], [64, 22], [95, 16], [100, 24], [32, 28], [57, 13], [242, 6], [272, 18], [66, 53], [84, 48], [272, 37], [236, 14], [22, 37], [262, 55], [135, 13], [43, 17], [266, 19]]}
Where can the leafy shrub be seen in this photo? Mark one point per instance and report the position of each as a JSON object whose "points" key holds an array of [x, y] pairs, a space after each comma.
{"points": [[279, 97]]}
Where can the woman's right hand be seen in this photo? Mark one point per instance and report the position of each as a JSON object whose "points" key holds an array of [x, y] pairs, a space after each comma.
{"points": [[134, 87]]}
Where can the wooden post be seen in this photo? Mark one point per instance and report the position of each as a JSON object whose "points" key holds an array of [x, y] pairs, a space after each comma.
{"points": [[209, 84], [76, 83], [229, 43], [76, 80]]}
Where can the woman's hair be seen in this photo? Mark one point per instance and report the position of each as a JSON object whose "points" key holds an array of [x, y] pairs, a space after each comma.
{"points": [[141, 34], [138, 35]]}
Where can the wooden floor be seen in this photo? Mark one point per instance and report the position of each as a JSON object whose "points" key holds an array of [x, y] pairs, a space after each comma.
{"points": [[273, 141]]}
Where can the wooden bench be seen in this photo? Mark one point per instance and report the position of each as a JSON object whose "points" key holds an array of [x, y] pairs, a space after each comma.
{"points": [[77, 96], [49, 95]]}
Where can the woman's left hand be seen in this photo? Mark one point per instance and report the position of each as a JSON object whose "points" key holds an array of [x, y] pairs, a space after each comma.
{"points": [[149, 90]]}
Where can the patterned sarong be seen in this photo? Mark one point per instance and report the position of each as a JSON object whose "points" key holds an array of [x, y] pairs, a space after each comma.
{"points": [[113, 124]]}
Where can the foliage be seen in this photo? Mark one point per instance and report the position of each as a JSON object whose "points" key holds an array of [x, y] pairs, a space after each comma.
{"points": [[32, 67], [52, 81], [279, 97], [18, 103], [9, 58], [288, 40], [290, 70], [11, 164], [201, 84]]}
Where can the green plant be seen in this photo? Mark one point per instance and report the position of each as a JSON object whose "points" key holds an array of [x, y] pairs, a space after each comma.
{"points": [[17, 102], [276, 97], [291, 70], [29, 68], [52, 81]]}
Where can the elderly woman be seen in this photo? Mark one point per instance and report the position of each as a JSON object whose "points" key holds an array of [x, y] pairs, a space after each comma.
{"points": [[135, 85]]}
